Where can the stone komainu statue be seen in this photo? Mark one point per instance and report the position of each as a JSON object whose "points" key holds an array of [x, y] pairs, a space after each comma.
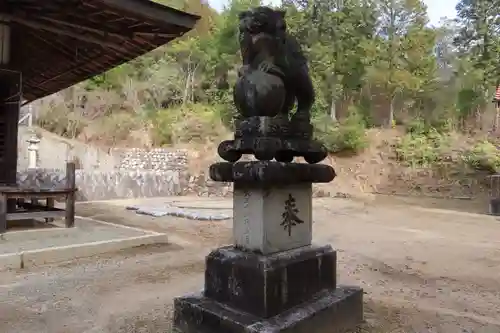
{"points": [[275, 74], [274, 77]]}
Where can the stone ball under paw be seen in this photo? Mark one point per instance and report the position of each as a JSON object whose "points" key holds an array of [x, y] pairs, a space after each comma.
{"points": [[259, 94]]}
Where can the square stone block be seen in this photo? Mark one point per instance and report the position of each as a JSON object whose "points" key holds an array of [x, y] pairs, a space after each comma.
{"points": [[269, 220], [332, 311], [268, 285]]}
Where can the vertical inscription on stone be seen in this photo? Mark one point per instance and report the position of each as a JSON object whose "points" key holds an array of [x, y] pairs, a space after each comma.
{"points": [[289, 217], [246, 218]]}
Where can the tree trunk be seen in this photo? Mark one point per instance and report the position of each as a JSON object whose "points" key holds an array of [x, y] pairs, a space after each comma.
{"points": [[185, 95], [391, 112], [193, 72], [479, 120], [333, 109], [333, 100]]}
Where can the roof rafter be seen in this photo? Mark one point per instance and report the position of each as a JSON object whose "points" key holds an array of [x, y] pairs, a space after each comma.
{"points": [[38, 25]]}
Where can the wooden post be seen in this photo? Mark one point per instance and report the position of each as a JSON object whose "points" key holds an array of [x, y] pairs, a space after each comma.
{"points": [[71, 196], [3, 214], [50, 204]]}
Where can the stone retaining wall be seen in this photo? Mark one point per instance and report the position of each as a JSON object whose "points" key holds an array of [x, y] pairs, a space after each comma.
{"points": [[96, 185], [132, 173], [158, 159], [119, 184]]}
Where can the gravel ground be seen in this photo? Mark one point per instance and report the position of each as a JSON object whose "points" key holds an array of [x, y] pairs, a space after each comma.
{"points": [[423, 271]]}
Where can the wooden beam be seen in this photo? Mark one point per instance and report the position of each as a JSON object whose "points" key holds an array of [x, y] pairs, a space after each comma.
{"points": [[156, 34], [99, 28], [153, 11], [87, 61], [28, 194], [77, 56], [39, 195], [86, 27], [30, 94], [34, 215], [38, 207], [136, 35], [37, 25], [66, 72], [47, 6], [59, 48]]}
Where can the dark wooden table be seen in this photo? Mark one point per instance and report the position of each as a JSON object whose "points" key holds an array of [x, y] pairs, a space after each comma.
{"points": [[33, 209]]}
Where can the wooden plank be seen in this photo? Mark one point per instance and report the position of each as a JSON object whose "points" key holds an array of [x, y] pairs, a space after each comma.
{"points": [[35, 215], [43, 208], [33, 190], [3, 214], [35, 195], [71, 196], [42, 26], [165, 16]]}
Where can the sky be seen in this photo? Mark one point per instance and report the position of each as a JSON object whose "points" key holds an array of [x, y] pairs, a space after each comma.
{"points": [[435, 8]]}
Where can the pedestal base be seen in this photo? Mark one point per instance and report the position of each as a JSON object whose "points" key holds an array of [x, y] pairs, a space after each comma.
{"points": [[289, 291], [332, 311], [267, 285], [495, 206]]}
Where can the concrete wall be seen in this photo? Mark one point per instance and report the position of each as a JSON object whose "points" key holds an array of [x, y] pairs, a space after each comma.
{"points": [[54, 151]]}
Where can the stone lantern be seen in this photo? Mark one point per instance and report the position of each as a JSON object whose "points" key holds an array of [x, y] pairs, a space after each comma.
{"points": [[33, 146]]}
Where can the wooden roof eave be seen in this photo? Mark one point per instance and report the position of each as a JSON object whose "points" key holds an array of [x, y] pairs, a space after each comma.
{"points": [[153, 11]]}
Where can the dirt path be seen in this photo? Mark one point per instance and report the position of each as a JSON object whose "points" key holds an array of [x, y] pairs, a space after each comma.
{"points": [[423, 271]]}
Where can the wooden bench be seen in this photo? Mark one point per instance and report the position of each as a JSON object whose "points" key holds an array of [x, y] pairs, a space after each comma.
{"points": [[33, 210]]}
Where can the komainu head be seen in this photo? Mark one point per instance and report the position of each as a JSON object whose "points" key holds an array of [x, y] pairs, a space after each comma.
{"points": [[262, 34], [262, 20]]}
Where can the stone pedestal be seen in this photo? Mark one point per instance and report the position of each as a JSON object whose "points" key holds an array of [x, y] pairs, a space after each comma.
{"points": [[290, 291], [272, 279]]}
